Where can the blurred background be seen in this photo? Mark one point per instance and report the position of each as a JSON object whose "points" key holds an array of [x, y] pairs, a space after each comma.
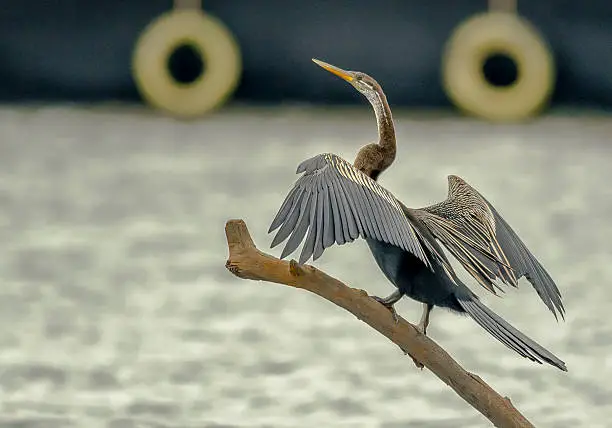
{"points": [[130, 132], [81, 50]]}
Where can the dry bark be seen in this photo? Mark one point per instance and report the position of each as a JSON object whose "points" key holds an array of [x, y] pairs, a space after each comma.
{"points": [[247, 262]]}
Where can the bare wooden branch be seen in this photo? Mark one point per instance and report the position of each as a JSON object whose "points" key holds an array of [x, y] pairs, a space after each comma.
{"points": [[246, 261]]}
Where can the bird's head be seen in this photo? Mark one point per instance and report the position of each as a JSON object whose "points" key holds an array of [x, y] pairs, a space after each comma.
{"points": [[360, 81]]}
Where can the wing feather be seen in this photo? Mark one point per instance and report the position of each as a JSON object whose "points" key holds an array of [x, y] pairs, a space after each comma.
{"points": [[299, 231], [353, 223], [336, 203], [318, 246], [343, 236], [355, 205], [362, 198], [308, 247], [338, 234], [285, 209], [328, 218], [486, 246], [287, 225], [385, 232]]}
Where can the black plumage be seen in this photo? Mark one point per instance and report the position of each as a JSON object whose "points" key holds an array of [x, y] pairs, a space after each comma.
{"points": [[336, 202]]}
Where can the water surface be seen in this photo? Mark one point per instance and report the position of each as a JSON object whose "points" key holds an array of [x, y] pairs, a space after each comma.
{"points": [[117, 309]]}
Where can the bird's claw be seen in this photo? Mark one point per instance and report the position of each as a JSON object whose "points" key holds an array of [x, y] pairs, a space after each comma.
{"points": [[389, 307]]}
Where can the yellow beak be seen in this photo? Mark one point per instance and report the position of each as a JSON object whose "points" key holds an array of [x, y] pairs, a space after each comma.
{"points": [[346, 75]]}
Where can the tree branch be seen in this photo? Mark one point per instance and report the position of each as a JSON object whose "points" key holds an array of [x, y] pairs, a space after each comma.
{"points": [[247, 262]]}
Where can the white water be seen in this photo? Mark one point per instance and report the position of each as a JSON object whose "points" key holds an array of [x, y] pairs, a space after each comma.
{"points": [[116, 308]]}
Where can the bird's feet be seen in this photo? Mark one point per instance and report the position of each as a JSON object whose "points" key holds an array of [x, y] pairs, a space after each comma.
{"points": [[424, 322], [422, 328], [389, 306]]}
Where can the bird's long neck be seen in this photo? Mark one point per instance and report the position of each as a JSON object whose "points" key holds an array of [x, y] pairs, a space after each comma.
{"points": [[384, 119], [386, 130]]}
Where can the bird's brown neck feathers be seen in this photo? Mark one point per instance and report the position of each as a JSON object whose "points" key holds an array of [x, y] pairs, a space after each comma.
{"points": [[386, 130], [373, 159]]}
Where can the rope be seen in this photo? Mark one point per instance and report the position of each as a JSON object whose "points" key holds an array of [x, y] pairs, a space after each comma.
{"points": [[502, 6], [187, 4]]}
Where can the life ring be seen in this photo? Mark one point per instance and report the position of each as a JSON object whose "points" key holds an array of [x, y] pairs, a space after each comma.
{"points": [[491, 33], [214, 43]]}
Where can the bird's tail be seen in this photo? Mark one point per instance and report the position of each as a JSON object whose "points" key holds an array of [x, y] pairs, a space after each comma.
{"points": [[505, 333]]}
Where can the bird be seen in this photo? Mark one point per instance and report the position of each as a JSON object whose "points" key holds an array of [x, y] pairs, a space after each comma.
{"points": [[336, 202]]}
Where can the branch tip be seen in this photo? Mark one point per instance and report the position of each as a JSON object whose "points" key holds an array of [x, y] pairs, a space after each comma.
{"points": [[238, 236]]}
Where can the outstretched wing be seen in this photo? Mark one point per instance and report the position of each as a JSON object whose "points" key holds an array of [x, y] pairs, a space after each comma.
{"points": [[336, 203], [487, 247]]}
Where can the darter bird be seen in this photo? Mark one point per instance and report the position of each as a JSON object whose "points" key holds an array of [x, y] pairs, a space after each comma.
{"points": [[336, 202]]}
